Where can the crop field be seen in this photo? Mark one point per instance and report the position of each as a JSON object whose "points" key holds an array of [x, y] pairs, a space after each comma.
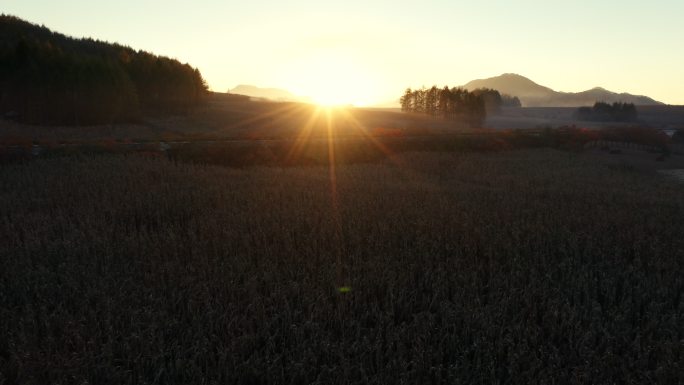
{"points": [[531, 117], [227, 116], [514, 267]]}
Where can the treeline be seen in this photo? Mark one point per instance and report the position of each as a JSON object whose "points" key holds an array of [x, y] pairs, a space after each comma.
{"points": [[451, 103], [49, 78], [604, 112], [494, 100]]}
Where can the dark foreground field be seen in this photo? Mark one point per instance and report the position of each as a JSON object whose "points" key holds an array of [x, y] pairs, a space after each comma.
{"points": [[534, 266], [659, 117]]}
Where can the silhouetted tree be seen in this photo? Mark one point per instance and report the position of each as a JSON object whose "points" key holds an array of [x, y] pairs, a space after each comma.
{"points": [[431, 101], [492, 99], [604, 112], [510, 101], [454, 103], [443, 103], [406, 100]]}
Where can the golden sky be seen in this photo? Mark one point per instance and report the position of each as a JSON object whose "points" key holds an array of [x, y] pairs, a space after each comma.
{"points": [[369, 52]]}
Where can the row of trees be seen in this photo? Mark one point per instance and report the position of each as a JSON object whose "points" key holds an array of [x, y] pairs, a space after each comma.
{"points": [[49, 78], [604, 112], [457, 102], [494, 100], [451, 103]]}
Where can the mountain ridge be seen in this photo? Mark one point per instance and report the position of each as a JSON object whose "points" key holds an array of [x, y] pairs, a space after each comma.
{"points": [[532, 94], [275, 94]]}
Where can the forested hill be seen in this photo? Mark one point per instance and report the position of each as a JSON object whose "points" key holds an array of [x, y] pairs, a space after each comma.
{"points": [[49, 78]]}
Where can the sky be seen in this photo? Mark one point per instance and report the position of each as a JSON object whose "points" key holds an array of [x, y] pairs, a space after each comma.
{"points": [[368, 52]]}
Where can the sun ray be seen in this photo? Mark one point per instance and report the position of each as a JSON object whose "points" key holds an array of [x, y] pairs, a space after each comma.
{"points": [[360, 127], [335, 210], [401, 165], [280, 112], [303, 136]]}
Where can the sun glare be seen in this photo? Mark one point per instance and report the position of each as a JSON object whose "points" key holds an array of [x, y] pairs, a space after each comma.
{"points": [[332, 100], [332, 79]]}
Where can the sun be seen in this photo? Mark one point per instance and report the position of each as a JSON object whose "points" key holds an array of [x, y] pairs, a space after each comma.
{"points": [[332, 79], [324, 99]]}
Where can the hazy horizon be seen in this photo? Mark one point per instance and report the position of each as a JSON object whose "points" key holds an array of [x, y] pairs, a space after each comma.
{"points": [[368, 54]]}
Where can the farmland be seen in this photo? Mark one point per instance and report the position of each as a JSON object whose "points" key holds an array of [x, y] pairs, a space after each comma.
{"points": [[519, 266], [301, 228]]}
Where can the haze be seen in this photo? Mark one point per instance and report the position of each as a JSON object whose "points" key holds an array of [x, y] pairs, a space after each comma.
{"points": [[366, 54]]}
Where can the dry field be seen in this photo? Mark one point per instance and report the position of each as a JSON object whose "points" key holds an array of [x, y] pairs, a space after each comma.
{"points": [[226, 116], [234, 117], [660, 117], [534, 266]]}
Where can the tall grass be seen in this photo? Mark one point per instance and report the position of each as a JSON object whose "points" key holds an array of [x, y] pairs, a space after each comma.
{"points": [[532, 266]]}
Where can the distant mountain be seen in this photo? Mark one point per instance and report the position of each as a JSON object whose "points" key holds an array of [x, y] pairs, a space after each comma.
{"points": [[532, 94], [274, 94]]}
